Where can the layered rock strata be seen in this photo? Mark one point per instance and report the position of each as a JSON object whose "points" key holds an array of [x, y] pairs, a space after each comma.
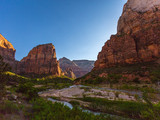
{"points": [[138, 36], [41, 60]]}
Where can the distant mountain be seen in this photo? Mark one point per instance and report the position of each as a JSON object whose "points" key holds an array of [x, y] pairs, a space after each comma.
{"points": [[85, 64], [76, 68]]}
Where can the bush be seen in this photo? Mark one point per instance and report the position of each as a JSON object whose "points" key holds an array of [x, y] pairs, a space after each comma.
{"points": [[28, 89], [9, 107], [124, 108], [46, 110], [74, 103], [152, 112]]}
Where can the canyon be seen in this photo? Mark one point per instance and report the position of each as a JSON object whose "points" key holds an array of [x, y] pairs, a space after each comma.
{"points": [[42, 61]]}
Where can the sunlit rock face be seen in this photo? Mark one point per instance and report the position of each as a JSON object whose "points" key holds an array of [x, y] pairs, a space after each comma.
{"points": [[137, 38], [7, 51], [40, 60]]}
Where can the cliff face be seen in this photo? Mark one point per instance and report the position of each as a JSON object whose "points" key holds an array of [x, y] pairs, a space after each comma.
{"points": [[40, 60], [85, 64], [138, 36], [7, 51], [75, 68]]}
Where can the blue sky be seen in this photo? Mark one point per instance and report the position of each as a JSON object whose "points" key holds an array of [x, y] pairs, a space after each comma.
{"points": [[77, 28]]}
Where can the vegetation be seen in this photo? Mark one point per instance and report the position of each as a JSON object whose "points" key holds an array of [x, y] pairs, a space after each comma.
{"points": [[28, 90], [143, 88], [42, 109], [114, 74], [124, 108], [3, 78], [153, 111], [12, 111], [45, 110]]}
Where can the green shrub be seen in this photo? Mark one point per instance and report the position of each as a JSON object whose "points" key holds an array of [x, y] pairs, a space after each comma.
{"points": [[74, 103], [46, 110], [9, 107], [152, 112], [124, 108], [28, 90]]}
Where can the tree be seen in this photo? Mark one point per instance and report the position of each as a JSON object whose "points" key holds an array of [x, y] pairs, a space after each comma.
{"points": [[3, 67]]}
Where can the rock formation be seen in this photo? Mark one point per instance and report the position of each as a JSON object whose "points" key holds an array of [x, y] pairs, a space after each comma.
{"points": [[7, 51], [41, 60], [75, 68], [85, 64], [138, 36]]}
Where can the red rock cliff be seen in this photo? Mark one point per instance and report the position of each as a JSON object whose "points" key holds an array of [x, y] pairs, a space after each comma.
{"points": [[137, 38], [40, 60]]}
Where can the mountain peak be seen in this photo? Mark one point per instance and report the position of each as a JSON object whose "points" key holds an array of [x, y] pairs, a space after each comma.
{"points": [[4, 43], [142, 5]]}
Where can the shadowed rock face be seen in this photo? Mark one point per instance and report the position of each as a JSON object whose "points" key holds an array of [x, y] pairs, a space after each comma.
{"points": [[75, 68], [68, 67], [138, 36], [85, 64], [7, 51], [40, 60]]}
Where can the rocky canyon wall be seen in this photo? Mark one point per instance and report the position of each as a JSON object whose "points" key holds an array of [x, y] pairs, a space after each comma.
{"points": [[138, 36]]}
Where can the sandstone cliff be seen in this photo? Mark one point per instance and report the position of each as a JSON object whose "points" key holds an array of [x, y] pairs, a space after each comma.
{"points": [[138, 36], [41, 60], [7, 51], [75, 68]]}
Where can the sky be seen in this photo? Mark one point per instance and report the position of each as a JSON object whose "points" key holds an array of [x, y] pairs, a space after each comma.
{"points": [[77, 28]]}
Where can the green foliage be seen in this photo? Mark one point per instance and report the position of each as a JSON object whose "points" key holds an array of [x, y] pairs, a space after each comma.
{"points": [[3, 78], [124, 108], [28, 90], [95, 81], [155, 76], [45, 110], [114, 78], [8, 107], [153, 111], [135, 87], [74, 103], [111, 79]]}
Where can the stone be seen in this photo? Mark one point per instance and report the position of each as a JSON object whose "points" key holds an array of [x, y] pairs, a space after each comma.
{"points": [[75, 68], [41, 60], [137, 39], [7, 51]]}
